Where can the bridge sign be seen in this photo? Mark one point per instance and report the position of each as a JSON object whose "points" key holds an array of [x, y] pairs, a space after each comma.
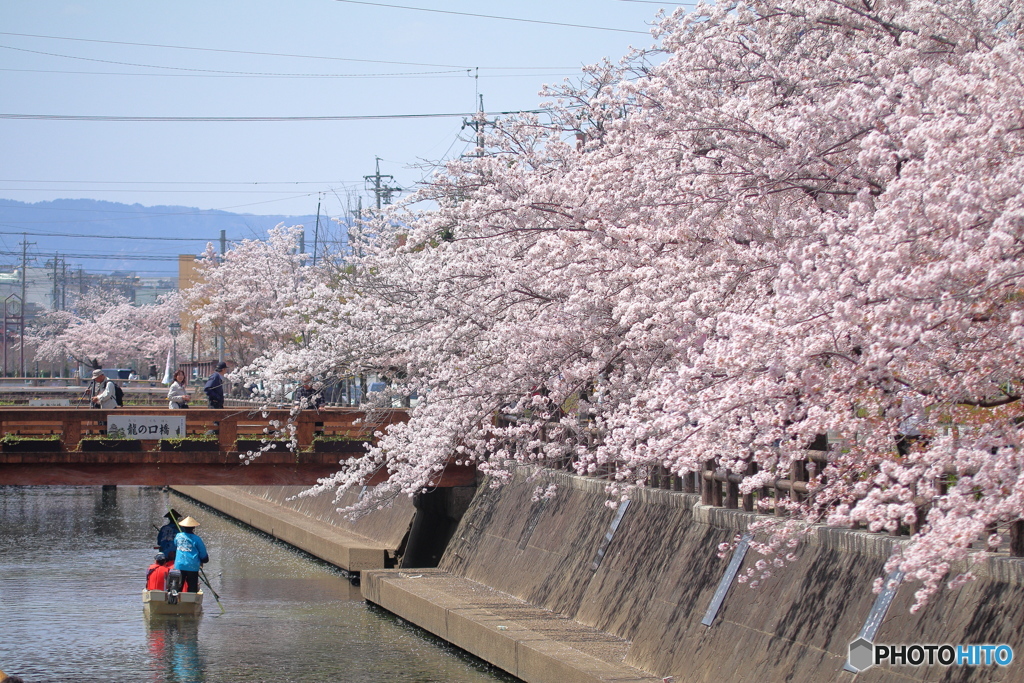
{"points": [[146, 426]]}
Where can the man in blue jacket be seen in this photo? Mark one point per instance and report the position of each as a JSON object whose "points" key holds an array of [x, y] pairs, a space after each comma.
{"points": [[191, 554], [214, 386]]}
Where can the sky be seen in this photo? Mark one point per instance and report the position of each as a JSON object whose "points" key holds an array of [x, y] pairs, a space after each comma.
{"points": [[283, 59]]}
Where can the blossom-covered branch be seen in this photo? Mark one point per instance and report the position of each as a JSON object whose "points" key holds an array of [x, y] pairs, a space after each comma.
{"points": [[806, 219]]}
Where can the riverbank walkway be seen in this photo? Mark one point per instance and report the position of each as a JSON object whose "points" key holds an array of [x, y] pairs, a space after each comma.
{"points": [[530, 642]]}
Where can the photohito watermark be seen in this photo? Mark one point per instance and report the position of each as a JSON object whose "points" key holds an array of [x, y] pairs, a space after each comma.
{"points": [[864, 654]]}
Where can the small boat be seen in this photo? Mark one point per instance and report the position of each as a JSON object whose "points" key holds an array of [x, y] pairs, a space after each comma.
{"points": [[155, 602]]}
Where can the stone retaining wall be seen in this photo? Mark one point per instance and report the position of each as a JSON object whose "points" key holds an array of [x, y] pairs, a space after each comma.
{"points": [[661, 569], [649, 589]]}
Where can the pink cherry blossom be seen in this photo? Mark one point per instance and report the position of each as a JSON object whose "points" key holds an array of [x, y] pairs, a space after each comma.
{"points": [[106, 328], [789, 219]]}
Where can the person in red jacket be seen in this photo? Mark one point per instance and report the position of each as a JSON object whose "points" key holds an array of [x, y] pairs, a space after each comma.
{"points": [[157, 574]]}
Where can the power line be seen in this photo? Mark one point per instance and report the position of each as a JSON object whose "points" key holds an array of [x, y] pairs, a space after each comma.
{"points": [[230, 73], [278, 54], [491, 16], [136, 215], [78, 189], [237, 52], [107, 257], [110, 237], [248, 119], [199, 212], [185, 182], [459, 73]]}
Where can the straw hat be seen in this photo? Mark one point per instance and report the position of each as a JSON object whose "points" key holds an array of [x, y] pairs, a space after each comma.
{"points": [[188, 522]]}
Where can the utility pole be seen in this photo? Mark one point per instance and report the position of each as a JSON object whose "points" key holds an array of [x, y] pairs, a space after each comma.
{"points": [[382, 191], [358, 214], [56, 257], [220, 337], [24, 285], [55, 296], [59, 284], [478, 124], [316, 230]]}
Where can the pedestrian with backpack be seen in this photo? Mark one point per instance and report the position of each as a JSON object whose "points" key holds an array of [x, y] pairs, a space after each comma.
{"points": [[104, 391]]}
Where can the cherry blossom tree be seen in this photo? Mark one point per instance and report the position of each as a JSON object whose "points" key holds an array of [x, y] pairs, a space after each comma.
{"points": [[105, 327], [251, 295], [791, 219]]}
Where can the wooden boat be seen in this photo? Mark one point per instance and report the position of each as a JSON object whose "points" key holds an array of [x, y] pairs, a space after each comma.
{"points": [[155, 602]]}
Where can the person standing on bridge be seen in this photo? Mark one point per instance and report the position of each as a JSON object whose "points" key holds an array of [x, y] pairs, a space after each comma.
{"points": [[307, 395], [176, 394], [214, 387], [190, 554], [104, 393]]}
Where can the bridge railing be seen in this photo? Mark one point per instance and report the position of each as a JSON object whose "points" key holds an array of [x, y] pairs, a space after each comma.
{"points": [[229, 425]]}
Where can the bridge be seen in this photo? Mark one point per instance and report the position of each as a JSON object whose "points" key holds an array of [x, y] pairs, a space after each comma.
{"points": [[72, 446]]}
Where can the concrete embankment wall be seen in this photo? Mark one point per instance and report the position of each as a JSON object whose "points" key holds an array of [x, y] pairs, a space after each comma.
{"points": [[388, 526], [661, 570], [644, 597], [373, 541]]}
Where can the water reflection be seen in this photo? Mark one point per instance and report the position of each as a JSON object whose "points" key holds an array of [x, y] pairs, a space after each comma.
{"points": [[173, 642], [72, 567]]}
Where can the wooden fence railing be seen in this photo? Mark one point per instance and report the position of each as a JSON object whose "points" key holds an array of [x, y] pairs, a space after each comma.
{"points": [[720, 488]]}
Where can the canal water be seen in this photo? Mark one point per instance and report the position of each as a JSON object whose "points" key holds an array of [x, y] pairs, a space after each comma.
{"points": [[72, 567]]}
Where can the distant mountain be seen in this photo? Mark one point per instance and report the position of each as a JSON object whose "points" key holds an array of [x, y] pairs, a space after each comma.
{"points": [[103, 236]]}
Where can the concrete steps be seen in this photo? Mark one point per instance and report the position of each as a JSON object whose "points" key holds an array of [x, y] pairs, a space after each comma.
{"points": [[531, 643]]}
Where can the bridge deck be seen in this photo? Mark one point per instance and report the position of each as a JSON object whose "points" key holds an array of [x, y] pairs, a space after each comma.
{"points": [[156, 462]]}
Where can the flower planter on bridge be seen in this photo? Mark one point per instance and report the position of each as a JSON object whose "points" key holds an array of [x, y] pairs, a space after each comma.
{"points": [[188, 444], [93, 445], [29, 445]]}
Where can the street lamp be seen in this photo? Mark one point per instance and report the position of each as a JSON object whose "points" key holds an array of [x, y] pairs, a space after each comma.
{"points": [[175, 328]]}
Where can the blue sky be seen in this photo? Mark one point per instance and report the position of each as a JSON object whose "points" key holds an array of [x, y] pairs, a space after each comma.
{"points": [[103, 58]]}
